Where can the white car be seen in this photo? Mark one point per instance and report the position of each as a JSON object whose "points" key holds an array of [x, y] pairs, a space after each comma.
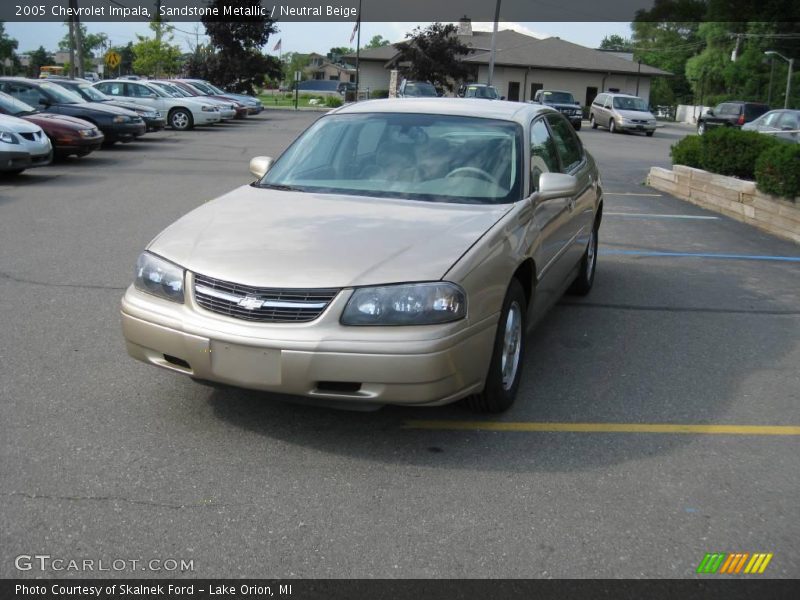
{"points": [[227, 110], [22, 145], [182, 113]]}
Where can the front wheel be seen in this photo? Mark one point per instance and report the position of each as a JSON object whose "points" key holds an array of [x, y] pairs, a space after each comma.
{"points": [[649, 133], [577, 126], [181, 119], [612, 126], [505, 368], [585, 279]]}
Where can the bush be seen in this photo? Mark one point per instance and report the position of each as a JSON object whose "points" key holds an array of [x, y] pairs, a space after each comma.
{"points": [[333, 101], [688, 152], [778, 170], [379, 94], [728, 151]]}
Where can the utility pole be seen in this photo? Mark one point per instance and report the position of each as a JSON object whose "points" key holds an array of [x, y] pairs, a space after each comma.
{"points": [[157, 20], [78, 40], [788, 76], [494, 44], [358, 52], [71, 46]]}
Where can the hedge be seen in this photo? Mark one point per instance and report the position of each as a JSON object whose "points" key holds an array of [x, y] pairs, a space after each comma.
{"points": [[778, 170], [333, 101], [774, 164]]}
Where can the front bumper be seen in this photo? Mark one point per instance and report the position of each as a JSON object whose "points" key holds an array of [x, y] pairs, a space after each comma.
{"points": [[206, 118], [155, 123], [389, 365], [123, 132], [627, 126], [12, 160], [80, 146]]}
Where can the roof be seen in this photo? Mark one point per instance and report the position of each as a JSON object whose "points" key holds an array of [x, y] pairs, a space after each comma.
{"points": [[520, 112], [519, 50]]}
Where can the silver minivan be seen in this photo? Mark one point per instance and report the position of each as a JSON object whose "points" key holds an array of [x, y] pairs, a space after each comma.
{"points": [[622, 112]]}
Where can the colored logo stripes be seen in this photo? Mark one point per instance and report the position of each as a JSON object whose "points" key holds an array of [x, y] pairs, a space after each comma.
{"points": [[734, 563]]}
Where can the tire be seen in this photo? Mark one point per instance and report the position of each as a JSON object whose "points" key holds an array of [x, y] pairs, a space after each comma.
{"points": [[12, 172], [701, 128], [577, 127], [649, 133], [592, 122], [612, 126], [500, 390], [585, 279], [180, 119]]}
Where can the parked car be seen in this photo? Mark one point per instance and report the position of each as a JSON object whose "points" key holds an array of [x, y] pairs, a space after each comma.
{"points": [[783, 124], [466, 221], [479, 90], [91, 76], [68, 135], [622, 112], [226, 111], [152, 117], [182, 113], [563, 102], [117, 124], [416, 89], [344, 87], [730, 114], [254, 105], [226, 105], [23, 145]]}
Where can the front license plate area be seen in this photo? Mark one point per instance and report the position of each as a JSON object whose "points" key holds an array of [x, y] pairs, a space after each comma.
{"points": [[247, 365]]}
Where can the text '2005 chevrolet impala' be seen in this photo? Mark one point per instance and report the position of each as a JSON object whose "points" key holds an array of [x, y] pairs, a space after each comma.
{"points": [[396, 253]]}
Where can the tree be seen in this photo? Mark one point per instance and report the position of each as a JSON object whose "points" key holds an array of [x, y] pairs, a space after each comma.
{"points": [[377, 41], [234, 53], [293, 62], [616, 42], [335, 54], [156, 56], [39, 58], [91, 42], [8, 45], [434, 54]]}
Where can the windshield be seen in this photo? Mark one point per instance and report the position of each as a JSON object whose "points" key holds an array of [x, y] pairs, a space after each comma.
{"points": [[167, 91], [14, 107], [440, 158], [202, 87], [90, 93], [420, 90], [630, 103], [214, 88], [482, 91], [61, 95], [558, 98]]}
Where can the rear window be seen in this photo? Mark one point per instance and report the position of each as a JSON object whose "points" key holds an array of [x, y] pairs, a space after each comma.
{"points": [[752, 111]]}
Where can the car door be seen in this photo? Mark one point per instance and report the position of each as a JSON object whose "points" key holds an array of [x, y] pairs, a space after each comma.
{"points": [[789, 126], [577, 225], [549, 216], [116, 89], [141, 94], [597, 107]]}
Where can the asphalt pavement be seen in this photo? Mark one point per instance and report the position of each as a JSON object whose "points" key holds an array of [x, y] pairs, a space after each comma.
{"points": [[102, 457]]}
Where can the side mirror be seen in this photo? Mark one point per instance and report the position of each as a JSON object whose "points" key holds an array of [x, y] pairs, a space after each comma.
{"points": [[152, 96], [556, 185], [260, 165], [710, 112], [502, 97]]}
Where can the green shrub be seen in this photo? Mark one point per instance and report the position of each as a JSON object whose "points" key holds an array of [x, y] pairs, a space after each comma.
{"points": [[778, 170], [333, 101], [688, 152], [379, 94], [733, 152]]}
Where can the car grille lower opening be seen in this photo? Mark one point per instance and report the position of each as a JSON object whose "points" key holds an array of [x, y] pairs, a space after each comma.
{"points": [[338, 387], [178, 362], [269, 305]]}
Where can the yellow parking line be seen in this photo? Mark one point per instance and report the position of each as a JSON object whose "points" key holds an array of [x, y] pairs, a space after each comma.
{"points": [[605, 427]]}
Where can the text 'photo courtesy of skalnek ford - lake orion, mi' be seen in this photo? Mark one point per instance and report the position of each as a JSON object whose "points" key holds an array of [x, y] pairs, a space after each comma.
{"points": [[367, 299]]}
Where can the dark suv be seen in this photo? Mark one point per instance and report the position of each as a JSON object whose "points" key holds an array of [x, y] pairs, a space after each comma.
{"points": [[730, 114], [563, 102]]}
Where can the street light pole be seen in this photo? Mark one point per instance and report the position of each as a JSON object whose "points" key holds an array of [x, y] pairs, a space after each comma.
{"points": [[493, 50], [788, 76]]}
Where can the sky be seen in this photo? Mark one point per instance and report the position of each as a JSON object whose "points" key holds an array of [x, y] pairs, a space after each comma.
{"points": [[305, 37]]}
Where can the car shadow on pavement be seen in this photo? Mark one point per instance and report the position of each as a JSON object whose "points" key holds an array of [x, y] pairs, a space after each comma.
{"points": [[620, 356]]}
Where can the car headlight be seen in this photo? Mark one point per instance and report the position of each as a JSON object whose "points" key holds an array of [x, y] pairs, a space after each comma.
{"points": [[159, 277], [121, 119], [406, 304], [8, 137], [207, 108], [87, 132], [149, 115]]}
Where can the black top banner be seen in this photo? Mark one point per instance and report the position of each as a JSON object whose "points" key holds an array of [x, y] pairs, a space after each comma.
{"points": [[395, 10]]}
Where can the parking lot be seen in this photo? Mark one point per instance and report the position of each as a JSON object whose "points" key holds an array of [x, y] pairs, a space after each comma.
{"points": [[694, 321]]}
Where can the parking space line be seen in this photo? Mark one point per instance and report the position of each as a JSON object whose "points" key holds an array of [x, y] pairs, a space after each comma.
{"points": [[699, 255], [657, 216], [779, 430]]}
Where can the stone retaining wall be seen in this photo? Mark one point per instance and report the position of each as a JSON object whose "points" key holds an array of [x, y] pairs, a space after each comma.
{"points": [[732, 197]]}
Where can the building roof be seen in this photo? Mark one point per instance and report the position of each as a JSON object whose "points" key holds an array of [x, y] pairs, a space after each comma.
{"points": [[520, 50]]}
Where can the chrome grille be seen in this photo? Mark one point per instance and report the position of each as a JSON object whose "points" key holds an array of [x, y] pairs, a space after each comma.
{"points": [[274, 305]]}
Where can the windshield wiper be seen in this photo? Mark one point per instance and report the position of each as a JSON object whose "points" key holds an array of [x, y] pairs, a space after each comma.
{"points": [[281, 186]]}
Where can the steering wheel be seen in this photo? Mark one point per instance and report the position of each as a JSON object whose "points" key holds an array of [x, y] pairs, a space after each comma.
{"points": [[472, 171]]}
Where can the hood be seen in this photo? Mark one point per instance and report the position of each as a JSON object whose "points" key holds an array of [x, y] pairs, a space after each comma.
{"points": [[560, 105], [103, 108], [54, 121], [16, 125], [272, 238], [635, 114], [129, 106]]}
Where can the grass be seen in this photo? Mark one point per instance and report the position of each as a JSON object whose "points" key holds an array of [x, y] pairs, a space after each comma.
{"points": [[272, 99]]}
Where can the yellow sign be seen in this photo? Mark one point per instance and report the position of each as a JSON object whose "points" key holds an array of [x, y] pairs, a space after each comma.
{"points": [[113, 59]]}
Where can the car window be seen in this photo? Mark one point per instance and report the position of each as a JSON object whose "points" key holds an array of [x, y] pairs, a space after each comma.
{"points": [[558, 97], [25, 93], [600, 100], [137, 91], [752, 111], [544, 156], [567, 144], [113, 89], [608, 102], [768, 120], [729, 109], [789, 119]]}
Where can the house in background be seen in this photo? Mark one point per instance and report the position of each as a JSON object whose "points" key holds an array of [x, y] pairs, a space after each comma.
{"points": [[322, 69], [525, 64]]}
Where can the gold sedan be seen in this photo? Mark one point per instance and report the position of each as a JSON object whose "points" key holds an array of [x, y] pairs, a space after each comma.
{"points": [[396, 253]]}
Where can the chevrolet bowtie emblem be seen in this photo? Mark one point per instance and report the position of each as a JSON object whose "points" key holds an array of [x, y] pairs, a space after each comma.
{"points": [[251, 302]]}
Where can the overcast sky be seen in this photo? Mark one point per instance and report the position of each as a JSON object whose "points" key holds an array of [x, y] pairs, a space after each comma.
{"points": [[305, 37]]}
